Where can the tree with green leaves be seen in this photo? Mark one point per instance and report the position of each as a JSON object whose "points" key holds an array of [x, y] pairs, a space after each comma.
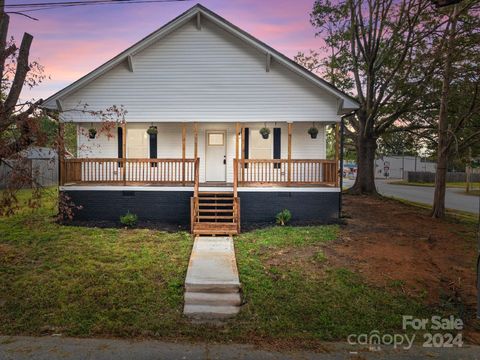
{"points": [[457, 86], [373, 50]]}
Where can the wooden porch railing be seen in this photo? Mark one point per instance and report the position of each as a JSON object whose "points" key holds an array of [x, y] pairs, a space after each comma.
{"points": [[118, 171], [286, 172]]}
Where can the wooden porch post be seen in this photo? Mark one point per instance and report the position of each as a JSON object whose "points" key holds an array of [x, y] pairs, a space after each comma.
{"points": [[235, 161], [289, 153], [243, 153], [124, 152], [337, 155], [195, 140], [184, 133]]}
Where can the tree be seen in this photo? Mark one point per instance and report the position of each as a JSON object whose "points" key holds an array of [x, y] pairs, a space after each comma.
{"points": [[27, 123], [377, 44], [460, 82], [18, 126]]}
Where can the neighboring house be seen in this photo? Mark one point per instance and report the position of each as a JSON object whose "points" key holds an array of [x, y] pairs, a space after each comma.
{"points": [[207, 87], [35, 166], [396, 166]]}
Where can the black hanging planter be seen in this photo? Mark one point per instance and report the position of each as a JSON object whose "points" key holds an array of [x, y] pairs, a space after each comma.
{"points": [[152, 130], [313, 131], [92, 133], [265, 132]]}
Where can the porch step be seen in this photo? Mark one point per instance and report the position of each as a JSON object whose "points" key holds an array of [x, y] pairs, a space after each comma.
{"points": [[215, 228], [210, 204], [215, 213], [214, 198], [208, 193]]}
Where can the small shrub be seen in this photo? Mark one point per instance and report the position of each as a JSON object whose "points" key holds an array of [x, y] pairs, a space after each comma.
{"points": [[129, 219], [283, 217]]}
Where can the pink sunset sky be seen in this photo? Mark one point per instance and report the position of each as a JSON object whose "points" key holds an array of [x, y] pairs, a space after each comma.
{"points": [[70, 42]]}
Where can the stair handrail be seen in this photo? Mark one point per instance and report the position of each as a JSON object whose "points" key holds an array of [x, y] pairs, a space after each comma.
{"points": [[196, 177]]}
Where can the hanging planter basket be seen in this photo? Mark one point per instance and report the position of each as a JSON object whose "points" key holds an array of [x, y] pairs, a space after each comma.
{"points": [[313, 131], [265, 132], [92, 133], [152, 130]]}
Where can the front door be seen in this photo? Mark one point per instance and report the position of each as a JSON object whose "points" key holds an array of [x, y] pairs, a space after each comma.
{"points": [[216, 156]]}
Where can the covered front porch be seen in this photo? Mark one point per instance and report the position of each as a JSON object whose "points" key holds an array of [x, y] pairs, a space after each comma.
{"points": [[203, 154]]}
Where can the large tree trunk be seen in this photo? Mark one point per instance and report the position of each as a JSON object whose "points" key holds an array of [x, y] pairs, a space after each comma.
{"points": [[438, 209], [365, 180]]}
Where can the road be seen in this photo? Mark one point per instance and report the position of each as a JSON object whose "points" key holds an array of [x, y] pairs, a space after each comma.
{"points": [[454, 198], [59, 348]]}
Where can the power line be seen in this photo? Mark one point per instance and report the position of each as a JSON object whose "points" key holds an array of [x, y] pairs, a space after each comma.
{"points": [[28, 7]]}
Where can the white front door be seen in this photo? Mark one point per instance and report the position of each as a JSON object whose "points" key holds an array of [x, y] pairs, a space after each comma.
{"points": [[215, 163]]}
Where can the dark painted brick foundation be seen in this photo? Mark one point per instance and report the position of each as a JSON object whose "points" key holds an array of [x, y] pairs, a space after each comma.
{"points": [[168, 207], [173, 207], [306, 207]]}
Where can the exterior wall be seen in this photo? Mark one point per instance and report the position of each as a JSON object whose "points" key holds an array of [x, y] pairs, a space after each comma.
{"points": [[306, 207], [173, 207], [399, 164], [206, 76], [169, 142], [167, 207]]}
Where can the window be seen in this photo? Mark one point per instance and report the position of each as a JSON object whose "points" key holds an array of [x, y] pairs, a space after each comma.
{"points": [[216, 139], [260, 148]]}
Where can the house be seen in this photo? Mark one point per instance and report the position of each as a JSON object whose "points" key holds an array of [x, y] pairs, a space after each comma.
{"points": [[397, 166], [204, 88]]}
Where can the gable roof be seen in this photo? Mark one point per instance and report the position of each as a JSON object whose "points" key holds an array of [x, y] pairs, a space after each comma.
{"points": [[346, 102]]}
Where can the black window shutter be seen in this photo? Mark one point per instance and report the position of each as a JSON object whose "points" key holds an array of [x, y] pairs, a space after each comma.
{"points": [[247, 144], [120, 144], [277, 147], [153, 148]]}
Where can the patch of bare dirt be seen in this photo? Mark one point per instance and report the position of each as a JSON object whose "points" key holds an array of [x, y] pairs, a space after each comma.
{"points": [[392, 243]]}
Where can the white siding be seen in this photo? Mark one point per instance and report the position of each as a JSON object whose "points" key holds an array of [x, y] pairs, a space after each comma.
{"points": [[206, 76], [169, 142]]}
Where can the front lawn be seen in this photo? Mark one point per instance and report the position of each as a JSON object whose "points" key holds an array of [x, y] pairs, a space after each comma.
{"points": [[79, 281]]}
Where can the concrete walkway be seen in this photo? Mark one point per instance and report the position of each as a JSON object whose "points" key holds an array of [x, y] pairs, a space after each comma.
{"points": [[56, 348], [212, 284]]}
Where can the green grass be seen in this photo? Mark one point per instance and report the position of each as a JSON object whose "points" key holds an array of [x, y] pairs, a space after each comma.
{"points": [[303, 297], [459, 185], [81, 281]]}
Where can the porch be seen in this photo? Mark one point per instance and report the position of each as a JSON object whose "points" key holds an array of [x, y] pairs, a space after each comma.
{"points": [[214, 154], [217, 162]]}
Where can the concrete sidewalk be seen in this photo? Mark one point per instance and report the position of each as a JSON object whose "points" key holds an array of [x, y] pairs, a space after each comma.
{"points": [[56, 348]]}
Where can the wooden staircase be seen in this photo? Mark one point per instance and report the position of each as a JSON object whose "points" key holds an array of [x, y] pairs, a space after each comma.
{"points": [[215, 213]]}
